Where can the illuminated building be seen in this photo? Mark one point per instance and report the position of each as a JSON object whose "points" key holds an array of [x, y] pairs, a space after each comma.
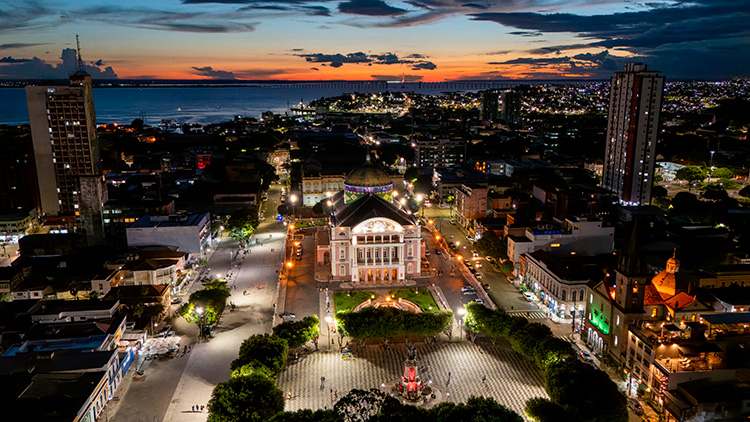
{"points": [[632, 128], [372, 240]]}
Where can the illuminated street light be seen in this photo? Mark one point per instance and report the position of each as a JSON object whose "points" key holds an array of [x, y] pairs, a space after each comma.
{"points": [[329, 320], [403, 201], [289, 264]]}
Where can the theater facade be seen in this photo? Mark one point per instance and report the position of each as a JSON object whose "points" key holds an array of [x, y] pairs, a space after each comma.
{"points": [[372, 239]]}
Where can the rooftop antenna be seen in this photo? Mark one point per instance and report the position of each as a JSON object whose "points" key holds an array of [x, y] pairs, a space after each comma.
{"points": [[78, 53]]}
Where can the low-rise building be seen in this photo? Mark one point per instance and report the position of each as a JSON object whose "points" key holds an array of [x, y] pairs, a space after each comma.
{"points": [[470, 203], [319, 186], [15, 224], [188, 232], [580, 236]]}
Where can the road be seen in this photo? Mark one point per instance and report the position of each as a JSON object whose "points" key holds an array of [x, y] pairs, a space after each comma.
{"points": [[170, 388]]}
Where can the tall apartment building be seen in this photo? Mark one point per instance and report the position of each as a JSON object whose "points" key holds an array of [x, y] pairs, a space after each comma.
{"points": [[439, 152], [511, 107], [490, 104], [630, 153], [66, 152]]}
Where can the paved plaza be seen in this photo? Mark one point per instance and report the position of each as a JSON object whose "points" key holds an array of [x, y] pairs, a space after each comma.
{"points": [[510, 378]]}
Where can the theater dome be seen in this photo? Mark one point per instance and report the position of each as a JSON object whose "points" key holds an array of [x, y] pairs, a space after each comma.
{"points": [[368, 178]]}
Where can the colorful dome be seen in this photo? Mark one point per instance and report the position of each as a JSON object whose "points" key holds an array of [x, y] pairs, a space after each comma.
{"points": [[368, 179], [368, 175]]}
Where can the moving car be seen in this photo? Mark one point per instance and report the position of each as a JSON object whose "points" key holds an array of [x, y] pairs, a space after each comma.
{"points": [[438, 251], [176, 300]]}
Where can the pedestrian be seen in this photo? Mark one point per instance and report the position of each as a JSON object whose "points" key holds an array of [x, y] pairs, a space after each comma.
{"points": [[484, 379], [193, 409], [202, 407]]}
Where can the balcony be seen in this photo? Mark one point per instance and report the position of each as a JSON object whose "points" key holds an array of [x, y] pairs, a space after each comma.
{"points": [[710, 362]]}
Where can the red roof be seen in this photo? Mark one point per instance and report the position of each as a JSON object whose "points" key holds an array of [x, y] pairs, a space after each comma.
{"points": [[679, 301], [651, 296]]}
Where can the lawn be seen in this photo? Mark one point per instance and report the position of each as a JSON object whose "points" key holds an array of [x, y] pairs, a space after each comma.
{"points": [[342, 302], [423, 299]]}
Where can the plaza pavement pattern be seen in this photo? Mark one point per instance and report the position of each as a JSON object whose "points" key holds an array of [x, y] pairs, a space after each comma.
{"points": [[510, 378]]}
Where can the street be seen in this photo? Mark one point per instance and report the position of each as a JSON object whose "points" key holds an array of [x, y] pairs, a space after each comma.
{"points": [[170, 388]]}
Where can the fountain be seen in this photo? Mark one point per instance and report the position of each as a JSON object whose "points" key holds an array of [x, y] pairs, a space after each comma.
{"points": [[411, 387]]}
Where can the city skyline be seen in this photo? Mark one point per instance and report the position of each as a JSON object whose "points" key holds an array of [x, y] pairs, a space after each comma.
{"points": [[373, 39]]}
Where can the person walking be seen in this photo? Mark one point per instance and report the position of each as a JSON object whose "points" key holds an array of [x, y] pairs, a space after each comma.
{"points": [[484, 379]]}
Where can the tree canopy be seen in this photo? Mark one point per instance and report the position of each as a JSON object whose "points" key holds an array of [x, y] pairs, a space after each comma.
{"points": [[211, 301], [386, 323], [492, 245], [261, 353], [691, 173], [297, 333], [253, 398], [241, 224]]}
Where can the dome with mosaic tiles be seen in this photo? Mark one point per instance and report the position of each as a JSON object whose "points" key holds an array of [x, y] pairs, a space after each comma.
{"points": [[368, 179]]}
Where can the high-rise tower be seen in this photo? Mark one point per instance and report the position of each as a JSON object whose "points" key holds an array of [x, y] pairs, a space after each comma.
{"points": [[632, 128], [66, 151]]}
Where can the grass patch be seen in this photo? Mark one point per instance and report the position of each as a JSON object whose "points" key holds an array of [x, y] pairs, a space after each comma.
{"points": [[423, 299], [342, 302]]}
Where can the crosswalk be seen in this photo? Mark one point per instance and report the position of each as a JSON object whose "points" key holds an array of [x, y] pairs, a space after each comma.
{"points": [[458, 369], [530, 315]]}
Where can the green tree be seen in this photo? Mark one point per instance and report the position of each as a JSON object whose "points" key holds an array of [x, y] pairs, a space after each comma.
{"points": [[744, 192], [659, 191], [715, 193], [387, 323], [492, 245], [242, 224], [297, 333], [411, 174], [476, 409], [507, 266], [722, 173], [261, 353], [211, 302], [363, 405], [543, 410], [254, 398], [691, 173], [307, 415]]}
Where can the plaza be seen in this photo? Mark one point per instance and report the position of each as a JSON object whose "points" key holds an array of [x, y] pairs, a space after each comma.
{"points": [[510, 378]]}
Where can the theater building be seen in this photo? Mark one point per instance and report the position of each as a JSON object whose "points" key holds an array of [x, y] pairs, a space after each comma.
{"points": [[372, 240]]}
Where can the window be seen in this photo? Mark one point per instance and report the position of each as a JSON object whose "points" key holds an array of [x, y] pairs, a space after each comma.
{"points": [[410, 268], [617, 321], [342, 254], [616, 341], [581, 296], [563, 294], [591, 298], [342, 270], [653, 313]]}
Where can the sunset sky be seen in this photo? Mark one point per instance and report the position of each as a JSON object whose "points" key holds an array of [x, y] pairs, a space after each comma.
{"points": [[429, 40]]}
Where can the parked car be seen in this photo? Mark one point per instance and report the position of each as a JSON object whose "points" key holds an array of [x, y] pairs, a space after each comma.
{"points": [[474, 254], [586, 356], [478, 276], [438, 251], [528, 296], [479, 300], [427, 252], [467, 288], [477, 264], [469, 292], [288, 315], [486, 286], [635, 405]]}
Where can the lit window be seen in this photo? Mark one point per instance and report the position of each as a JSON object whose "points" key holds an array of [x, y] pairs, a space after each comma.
{"points": [[555, 245], [591, 298]]}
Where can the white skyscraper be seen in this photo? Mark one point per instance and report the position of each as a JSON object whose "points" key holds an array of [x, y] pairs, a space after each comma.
{"points": [[632, 129]]}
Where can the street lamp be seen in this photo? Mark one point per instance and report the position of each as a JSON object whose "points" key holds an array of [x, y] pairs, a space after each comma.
{"points": [[329, 320], [293, 200], [199, 311], [461, 313]]}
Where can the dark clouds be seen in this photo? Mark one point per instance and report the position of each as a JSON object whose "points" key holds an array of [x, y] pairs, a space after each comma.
{"points": [[9, 59], [416, 61], [406, 78], [209, 71], [369, 8], [37, 68], [587, 65], [12, 46]]}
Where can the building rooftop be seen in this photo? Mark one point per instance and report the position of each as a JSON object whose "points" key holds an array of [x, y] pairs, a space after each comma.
{"points": [[181, 220], [366, 207]]}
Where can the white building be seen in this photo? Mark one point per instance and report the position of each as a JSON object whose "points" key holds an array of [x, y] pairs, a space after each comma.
{"points": [[577, 236], [372, 240], [189, 232], [630, 151], [318, 187]]}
